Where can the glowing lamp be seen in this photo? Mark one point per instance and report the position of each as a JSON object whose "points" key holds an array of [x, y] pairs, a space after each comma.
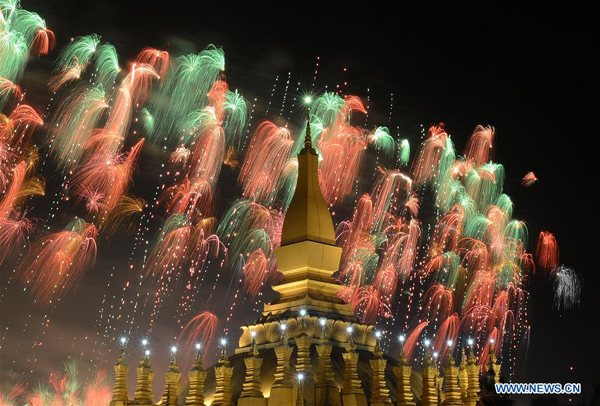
{"points": [[427, 343], [302, 312], [300, 376], [253, 334], [449, 342], [322, 322], [223, 342], [307, 99], [402, 338], [198, 346], [144, 342], [470, 341], [349, 329], [378, 334], [123, 340], [147, 352], [173, 349], [492, 341], [435, 355], [283, 327]]}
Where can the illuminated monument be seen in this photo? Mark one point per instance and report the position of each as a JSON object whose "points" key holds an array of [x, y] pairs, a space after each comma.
{"points": [[308, 348]]}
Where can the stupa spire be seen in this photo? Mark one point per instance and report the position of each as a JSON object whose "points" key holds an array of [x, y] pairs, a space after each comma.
{"points": [[308, 136], [119, 397], [307, 217], [308, 255]]}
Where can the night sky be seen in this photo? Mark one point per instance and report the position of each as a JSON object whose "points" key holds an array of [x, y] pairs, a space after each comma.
{"points": [[528, 72]]}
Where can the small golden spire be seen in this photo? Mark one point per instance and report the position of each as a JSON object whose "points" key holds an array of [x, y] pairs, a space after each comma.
{"points": [[308, 136], [198, 360], [254, 347], [173, 366], [224, 360], [121, 359], [402, 355]]}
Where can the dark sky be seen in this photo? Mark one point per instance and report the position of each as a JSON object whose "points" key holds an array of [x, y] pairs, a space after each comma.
{"points": [[530, 72]]}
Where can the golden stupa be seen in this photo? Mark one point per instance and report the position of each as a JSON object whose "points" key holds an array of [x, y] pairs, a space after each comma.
{"points": [[308, 347]]}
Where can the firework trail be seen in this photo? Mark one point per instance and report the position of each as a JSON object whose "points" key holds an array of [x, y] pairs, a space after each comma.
{"points": [[529, 179], [262, 173], [22, 33], [64, 389], [183, 91], [547, 252], [73, 126], [57, 262], [567, 287], [11, 396], [203, 330]]}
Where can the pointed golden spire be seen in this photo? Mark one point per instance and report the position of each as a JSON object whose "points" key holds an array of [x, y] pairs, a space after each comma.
{"points": [[403, 371], [119, 397], [472, 378], [352, 392], [429, 395], [251, 390], [254, 347], [379, 390], [308, 255], [197, 376], [494, 365], [143, 390], [308, 136], [173, 366], [172, 379], [452, 395], [308, 217], [463, 377], [198, 360], [224, 360]]}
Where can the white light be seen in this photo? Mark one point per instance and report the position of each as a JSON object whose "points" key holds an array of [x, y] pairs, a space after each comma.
{"points": [[302, 312], [300, 376], [470, 341], [147, 352], [198, 346], [223, 342], [402, 338], [253, 334], [173, 349], [349, 329], [427, 343], [322, 322], [283, 327], [144, 342], [492, 341], [435, 355], [378, 334], [449, 342], [307, 99], [123, 340]]}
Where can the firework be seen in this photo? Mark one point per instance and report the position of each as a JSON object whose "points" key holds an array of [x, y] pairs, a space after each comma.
{"points": [[529, 179], [262, 170], [74, 123], [547, 251], [184, 91], [567, 287], [202, 329], [11, 397], [21, 33], [56, 264]]}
